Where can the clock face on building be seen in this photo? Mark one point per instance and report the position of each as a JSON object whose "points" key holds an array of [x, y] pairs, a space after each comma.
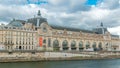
{"points": [[44, 29]]}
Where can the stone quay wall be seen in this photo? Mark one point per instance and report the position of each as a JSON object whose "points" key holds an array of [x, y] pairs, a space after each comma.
{"points": [[44, 56]]}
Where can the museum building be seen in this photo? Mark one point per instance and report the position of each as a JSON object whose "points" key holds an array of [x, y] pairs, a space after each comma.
{"points": [[36, 34]]}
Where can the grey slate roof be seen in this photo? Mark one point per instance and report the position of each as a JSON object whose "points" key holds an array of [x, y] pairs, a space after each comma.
{"points": [[70, 29], [16, 23], [34, 21], [99, 30]]}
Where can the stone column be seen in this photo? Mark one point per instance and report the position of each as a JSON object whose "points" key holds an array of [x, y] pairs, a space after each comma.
{"points": [[51, 45], [61, 48], [69, 45], [69, 49], [77, 48], [84, 46]]}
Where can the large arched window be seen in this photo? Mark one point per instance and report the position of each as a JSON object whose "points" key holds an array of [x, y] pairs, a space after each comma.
{"points": [[56, 43], [100, 46], [65, 43], [80, 44], [73, 44], [87, 44], [94, 45]]}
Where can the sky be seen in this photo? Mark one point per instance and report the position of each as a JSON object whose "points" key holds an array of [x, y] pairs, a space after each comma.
{"points": [[84, 14]]}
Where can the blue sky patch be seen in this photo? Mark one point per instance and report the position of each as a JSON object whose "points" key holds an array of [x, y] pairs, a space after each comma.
{"points": [[92, 2], [38, 2]]}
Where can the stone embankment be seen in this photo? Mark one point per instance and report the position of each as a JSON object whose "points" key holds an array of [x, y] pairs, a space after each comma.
{"points": [[50, 56]]}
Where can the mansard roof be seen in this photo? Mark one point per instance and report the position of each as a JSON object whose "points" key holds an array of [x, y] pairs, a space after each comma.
{"points": [[70, 29], [38, 19], [34, 20], [16, 23]]}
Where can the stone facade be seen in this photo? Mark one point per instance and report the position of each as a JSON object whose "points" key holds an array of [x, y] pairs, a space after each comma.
{"points": [[17, 39], [32, 37], [77, 41]]}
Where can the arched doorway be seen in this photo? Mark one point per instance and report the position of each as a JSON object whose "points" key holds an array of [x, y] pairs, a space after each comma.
{"points": [[73, 45], [94, 46], [65, 45], [56, 45], [87, 45], [81, 46], [100, 46]]}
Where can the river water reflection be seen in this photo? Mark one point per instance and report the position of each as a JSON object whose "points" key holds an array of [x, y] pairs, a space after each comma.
{"points": [[113, 63]]}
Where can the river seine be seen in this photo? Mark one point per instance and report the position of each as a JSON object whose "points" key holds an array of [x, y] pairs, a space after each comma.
{"points": [[113, 63]]}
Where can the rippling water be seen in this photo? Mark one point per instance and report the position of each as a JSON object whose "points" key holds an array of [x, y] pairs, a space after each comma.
{"points": [[113, 63]]}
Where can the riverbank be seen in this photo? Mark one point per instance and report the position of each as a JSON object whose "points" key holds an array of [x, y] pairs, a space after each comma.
{"points": [[56, 59], [55, 56]]}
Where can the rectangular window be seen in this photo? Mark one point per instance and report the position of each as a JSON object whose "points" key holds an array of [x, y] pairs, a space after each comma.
{"points": [[29, 47], [16, 42], [32, 43], [44, 41], [32, 47], [23, 47], [49, 42], [26, 47]]}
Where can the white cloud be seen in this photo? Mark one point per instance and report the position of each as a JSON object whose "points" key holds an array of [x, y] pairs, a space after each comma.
{"points": [[97, 13], [66, 13], [74, 3], [115, 30], [2, 22], [19, 12], [110, 4]]}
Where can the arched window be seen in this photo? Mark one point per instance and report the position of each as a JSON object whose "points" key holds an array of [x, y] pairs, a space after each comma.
{"points": [[65, 45], [87, 44], [55, 43], [100, 46], [80, 44], [73, 44], [94, 45]]}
